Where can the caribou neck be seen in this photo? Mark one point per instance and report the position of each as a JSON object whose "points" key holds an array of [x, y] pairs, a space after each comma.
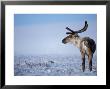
{"points": [[76, 41]]}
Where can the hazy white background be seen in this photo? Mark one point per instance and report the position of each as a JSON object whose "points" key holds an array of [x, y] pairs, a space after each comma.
{"points": [[43, 33]]}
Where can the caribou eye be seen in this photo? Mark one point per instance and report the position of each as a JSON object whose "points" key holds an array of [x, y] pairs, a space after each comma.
{"points": [[70, 36]]}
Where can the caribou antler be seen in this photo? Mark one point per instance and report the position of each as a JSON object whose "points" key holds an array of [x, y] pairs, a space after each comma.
{"points": [[71, 31], [84, 28], [80, 31]]}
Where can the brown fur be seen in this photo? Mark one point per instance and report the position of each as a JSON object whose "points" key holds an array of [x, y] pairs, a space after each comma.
{"points": [[86, 45]]}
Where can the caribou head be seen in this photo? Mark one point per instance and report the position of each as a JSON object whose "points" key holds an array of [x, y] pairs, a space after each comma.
{"points": [[73, 34]]}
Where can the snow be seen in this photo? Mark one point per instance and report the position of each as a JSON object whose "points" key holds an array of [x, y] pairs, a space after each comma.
{"points": [[52, 65]]}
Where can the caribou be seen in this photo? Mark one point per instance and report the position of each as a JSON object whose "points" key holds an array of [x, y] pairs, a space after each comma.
{"points": [[86, 45]]}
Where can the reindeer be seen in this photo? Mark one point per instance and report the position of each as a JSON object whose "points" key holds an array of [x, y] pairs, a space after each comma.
{"points": [[86, 45]]}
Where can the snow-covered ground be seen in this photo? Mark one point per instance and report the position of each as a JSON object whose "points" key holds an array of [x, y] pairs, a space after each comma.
{"points": [[52, 65]]}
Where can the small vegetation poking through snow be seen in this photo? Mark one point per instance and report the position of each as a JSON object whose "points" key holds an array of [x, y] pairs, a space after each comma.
{"points": [[54, 65]]}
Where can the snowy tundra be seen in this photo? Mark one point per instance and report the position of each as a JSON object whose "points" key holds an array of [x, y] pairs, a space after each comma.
{"points": [[52, 65]]}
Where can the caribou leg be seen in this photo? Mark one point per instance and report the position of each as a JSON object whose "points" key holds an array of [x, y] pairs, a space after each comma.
{"points": [[90, 59], [83, 61], [90, 62]]}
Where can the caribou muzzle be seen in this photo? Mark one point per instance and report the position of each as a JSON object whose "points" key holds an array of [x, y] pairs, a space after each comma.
{"points": [[64, 41]]}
